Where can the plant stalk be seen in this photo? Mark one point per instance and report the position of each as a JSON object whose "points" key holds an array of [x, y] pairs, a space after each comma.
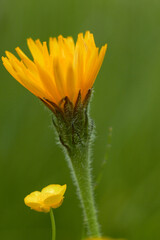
{"points": [[79, 161], [53, 225]]}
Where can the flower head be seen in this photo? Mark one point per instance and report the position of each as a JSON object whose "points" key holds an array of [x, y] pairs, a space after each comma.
{"points": [[63, 70], [49, 197]]}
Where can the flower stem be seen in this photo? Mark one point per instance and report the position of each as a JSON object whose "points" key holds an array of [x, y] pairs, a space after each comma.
{"points": [[75, 130], [53, 225], [80, 167]]}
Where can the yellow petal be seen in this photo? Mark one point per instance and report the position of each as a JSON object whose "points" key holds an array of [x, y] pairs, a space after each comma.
{"points": [[10, 69], [35, 51], [48, 83], [58, 204], [26, 60], [39, 45], [55, 189], [53, 47], [70, 84], [33, 200], [46, 56], [95, 69], [50, 200], [52, 195], [59, 78]]}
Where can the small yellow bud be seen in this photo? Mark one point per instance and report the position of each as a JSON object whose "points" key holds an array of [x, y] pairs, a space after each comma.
{"points": [[49, 197]]}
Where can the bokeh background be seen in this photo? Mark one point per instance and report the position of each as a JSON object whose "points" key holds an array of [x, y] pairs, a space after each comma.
{"points": [[126, 98]]}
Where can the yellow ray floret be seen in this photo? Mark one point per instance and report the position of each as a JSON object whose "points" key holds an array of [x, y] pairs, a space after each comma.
{"points": [[49, 197], [62, 70]]}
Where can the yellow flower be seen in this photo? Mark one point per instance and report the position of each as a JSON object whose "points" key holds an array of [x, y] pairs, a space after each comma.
{"points": [[49, 197], [63, 70]]}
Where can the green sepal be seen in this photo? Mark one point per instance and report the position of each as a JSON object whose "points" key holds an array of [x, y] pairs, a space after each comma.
{"points": [[68, 109], [72, 122]]}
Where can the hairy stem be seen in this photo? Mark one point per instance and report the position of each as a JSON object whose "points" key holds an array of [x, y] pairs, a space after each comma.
{"points": [[79, 162]]}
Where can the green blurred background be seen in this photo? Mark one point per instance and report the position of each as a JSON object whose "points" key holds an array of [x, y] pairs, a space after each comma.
{"points": [[126, 98]]}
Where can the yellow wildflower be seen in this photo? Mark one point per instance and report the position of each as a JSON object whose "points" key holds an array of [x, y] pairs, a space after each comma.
{"points": [[62, 71], [49, 197]]}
